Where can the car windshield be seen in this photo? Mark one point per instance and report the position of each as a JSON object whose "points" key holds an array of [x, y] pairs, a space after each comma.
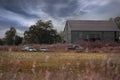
{"points": [[31, 48], [43, 48]]}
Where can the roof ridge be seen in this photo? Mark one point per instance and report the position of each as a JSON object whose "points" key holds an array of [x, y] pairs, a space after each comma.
{"points": [[91, 20], [97, 25]]}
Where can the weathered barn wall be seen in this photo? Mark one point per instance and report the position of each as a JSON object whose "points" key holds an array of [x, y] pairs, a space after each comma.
{"points": [[77, 36]]}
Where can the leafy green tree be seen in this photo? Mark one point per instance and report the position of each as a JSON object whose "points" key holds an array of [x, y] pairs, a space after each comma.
{"points": [[61, 34], [1, 42], [41, 33], [18, 40], [117, 21], [10, 36]]}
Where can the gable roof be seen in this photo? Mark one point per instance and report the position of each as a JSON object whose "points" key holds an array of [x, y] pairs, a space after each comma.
{"points": [[92, 25]]}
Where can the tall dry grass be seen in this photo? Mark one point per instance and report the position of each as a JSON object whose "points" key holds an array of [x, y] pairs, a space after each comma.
{"points": [[59, 66]]}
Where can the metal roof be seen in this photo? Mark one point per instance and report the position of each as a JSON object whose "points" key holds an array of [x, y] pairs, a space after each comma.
{"points": [[92, 25]]}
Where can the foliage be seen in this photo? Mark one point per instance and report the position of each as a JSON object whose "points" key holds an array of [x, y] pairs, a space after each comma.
{"points": [[116, 20], [61, 33], [41, 32], [11, 38], [1, 42], [18, 40]]}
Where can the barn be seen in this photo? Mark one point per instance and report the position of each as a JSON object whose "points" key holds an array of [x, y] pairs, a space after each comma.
{"points": [[80, 30]]}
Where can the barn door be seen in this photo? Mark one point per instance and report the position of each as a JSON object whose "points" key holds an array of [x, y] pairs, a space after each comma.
{"points": [[93, 37]]}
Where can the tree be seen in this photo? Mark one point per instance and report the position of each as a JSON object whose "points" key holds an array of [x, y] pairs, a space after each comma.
{"points": [[41, 33], [1, 42], [18, 40], [10, 36], [61, 34], [117, 21]]}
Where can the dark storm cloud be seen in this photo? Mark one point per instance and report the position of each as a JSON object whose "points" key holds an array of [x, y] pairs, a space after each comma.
{"points": [[17, 6], [60, 8], [55, 8]]}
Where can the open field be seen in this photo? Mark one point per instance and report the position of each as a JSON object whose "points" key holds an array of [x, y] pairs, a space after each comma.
{"points": [[59, 66]]}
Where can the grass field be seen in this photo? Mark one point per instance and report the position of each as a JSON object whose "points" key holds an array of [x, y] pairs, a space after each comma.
{"points": [[59, 66]]}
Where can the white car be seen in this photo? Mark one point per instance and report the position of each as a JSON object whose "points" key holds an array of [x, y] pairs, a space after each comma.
{"points": [[27, 48], [43, 49], [32, 50]]}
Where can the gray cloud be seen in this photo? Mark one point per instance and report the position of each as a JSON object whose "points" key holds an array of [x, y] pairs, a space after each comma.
{"points": [[61, 8], [23, 13]]}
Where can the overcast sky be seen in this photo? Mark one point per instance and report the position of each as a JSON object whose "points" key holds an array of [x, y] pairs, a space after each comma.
{"points": [[23, 13]]}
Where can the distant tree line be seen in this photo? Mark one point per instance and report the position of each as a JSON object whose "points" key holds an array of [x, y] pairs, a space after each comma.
{"points": [[39, 33]]}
